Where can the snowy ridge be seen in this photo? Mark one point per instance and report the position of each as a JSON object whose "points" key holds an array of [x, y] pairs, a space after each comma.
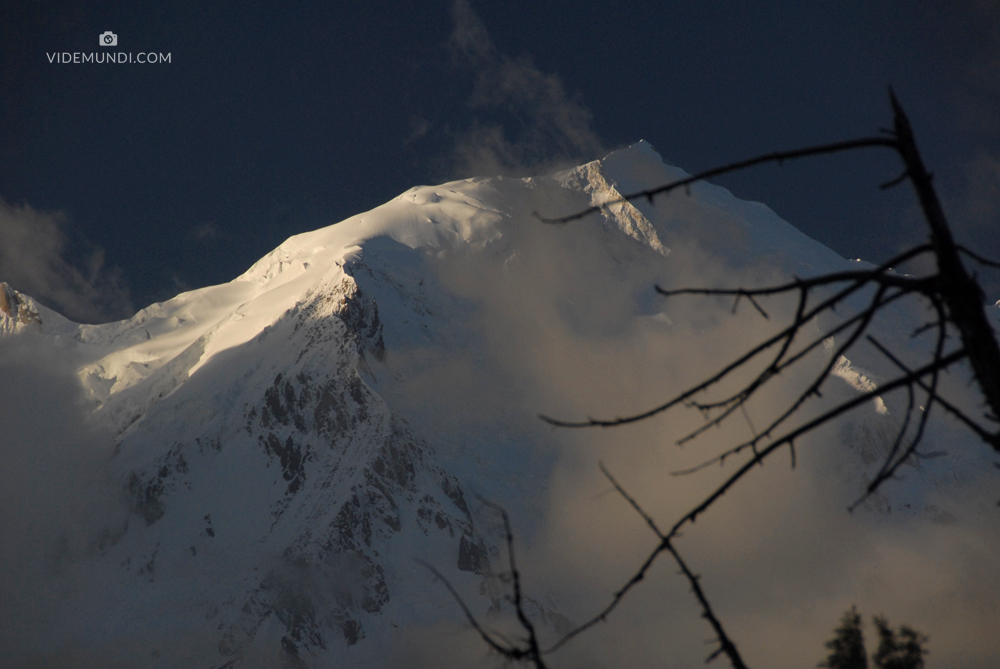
{"points": [[593, 180], [278, 496], [461, 216]]}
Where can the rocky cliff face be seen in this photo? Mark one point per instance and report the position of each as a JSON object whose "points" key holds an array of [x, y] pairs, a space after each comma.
{"points": [[297, 453], [278, 441], [277, 497], [16, 310]]}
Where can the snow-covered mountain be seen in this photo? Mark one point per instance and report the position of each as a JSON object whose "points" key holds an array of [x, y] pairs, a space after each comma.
{"points": [[291, 441]]}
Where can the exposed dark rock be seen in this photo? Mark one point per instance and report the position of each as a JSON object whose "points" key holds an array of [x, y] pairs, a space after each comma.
{"points": [[352, 631], [472, 556], [12, 304], [362, 319], [146, 497], [294, 607], [291, 456], [350, 500], [330, 414], [450, 487]]}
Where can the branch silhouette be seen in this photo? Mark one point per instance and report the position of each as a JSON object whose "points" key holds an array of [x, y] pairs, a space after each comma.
{"points": [[957, 302], [777, 157], [529, 650], [726, 644]]}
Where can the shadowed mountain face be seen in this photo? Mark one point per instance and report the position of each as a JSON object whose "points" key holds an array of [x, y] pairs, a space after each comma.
{"points": [[288, 444], [275, 496], [316, 464], [276, 482]]}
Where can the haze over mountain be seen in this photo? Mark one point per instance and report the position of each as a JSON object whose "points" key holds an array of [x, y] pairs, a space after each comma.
{"points": [[246, 474]]}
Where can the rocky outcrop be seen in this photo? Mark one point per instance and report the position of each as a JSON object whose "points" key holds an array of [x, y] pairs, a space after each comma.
{"points": [[16, 309], [340, 483]]}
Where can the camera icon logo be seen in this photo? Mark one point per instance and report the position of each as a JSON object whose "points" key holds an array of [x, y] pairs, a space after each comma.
{"points": [[108, 38]]}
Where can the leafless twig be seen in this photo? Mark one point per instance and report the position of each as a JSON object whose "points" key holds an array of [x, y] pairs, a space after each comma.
{"points": [[530, 651], [777, 157], [954, 295], [726, 644]]}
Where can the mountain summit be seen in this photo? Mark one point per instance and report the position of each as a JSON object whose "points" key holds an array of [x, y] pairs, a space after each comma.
{"points": [[291, 442]]}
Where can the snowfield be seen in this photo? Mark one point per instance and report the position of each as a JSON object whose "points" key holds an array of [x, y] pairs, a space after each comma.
{"points": [[284, 447]]}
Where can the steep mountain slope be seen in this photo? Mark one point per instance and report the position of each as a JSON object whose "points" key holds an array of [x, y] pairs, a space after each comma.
{"points": [[290, 441]]}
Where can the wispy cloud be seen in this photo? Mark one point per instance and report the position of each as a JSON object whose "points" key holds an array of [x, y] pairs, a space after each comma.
{"points": [[34, 260], [206, 231], [541, 126]]}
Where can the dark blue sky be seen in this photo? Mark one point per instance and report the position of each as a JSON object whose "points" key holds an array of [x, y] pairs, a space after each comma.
{"points": [[271, 120]]}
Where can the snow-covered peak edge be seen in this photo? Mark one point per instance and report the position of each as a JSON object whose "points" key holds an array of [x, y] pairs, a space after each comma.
{"points": [[457, 217]]}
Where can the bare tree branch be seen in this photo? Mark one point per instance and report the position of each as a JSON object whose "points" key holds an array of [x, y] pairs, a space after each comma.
{"points": [[628, 498], [956, 299], [486, 636], [892, 462], [615, 600], [531, 651], [858, 280], [778, 366], [948, 406], [786, 440], [979, 259], [777, 157], [726, 644], [955, 296], [961, 294]]}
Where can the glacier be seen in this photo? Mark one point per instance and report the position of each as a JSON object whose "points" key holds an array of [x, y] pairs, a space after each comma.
{"points": [[289, 443]]}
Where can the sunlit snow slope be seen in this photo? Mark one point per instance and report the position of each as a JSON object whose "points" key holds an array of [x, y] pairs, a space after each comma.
{"points": [[281, 473]]}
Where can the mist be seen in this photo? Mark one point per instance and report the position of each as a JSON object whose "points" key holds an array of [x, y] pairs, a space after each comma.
{"points": [[565, 323], [61, 504], [562, 321]]}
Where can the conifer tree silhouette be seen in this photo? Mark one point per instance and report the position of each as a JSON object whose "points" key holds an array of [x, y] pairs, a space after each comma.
{"points": [[847, 648]]}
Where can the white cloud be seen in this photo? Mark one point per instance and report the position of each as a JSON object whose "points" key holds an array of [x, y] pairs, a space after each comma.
{"points": [[544, 127], [206, 231], [781, 558], [33, 259]]}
